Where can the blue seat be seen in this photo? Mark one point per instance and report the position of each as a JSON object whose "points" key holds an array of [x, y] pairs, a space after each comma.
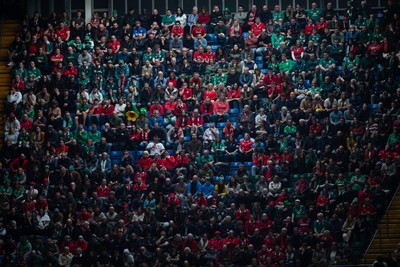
{"points": [[339, 68], [132, 153], [245, 35], [187, 138], [116, 154], [264, 71], [248, 164], [240, 137], [212, 38], [215, 47], [115, 162], [221, 124], [234, 111], [227, 178], [235, 164], [260, 65], [307, 83], [139, 153], [171, 152], [259, 59], [206, 125], [234, 123], [379, 15]]}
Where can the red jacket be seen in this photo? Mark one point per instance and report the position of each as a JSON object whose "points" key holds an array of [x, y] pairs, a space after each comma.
{"points": [[103, 192], [198, 121], [145, 163], [207, 109], [182, 161], [169, 162]]}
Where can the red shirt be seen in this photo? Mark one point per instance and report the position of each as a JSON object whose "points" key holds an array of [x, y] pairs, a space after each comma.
{"points": [[169, 162], [114, 46], [176, 30], [196, 120], [59, 57], [103, 192], [63, 33], [258, 28], [246, 145], [185, 93], [268, 80], [26, 125], [210, 94], [297, 51], [196, 31], [70, 71], [108, 111], [140, 187], [181, 161], [145, 163]]}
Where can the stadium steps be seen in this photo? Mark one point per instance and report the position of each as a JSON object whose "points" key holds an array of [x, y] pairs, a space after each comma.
{"points": [[9, 28], [388, 235]]}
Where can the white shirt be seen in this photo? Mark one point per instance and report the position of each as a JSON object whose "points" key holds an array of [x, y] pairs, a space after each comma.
{"points": [[155, 148]]}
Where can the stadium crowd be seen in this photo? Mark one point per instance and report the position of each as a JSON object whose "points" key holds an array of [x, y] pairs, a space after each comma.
{"points": [[267, 137]]}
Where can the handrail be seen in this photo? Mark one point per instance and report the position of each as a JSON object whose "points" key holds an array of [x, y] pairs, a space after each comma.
{"points": [[387, 226], [1, 29]]}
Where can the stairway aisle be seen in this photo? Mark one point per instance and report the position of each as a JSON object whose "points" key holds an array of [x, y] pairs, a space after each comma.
{"points": [[10, 27], [388, 235]]}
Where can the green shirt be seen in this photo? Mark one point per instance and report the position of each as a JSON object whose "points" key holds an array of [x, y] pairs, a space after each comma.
{"points": [[206, 160], [356, 186], [71, 57], [218, 79], [82, 137], [350, 64], [298, 212], [276, 40], [276, 15], [286, 66], [168, 20], [35, 72], [290, 129], [325, 63], [95, 136], [316, 39], [314, 14]]}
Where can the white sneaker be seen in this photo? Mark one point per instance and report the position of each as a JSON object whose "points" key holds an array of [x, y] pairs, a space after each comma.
{"points": [[10, 64]]}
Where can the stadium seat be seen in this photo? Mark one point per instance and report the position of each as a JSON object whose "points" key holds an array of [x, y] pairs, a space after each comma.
{"points": [[245, 35], [260, 65], [235, 164], [259, 59], [339, 68], [264, 71], [234, 111], [221, 125], [206, 125], [248, 164], [215, 47], [212, 38], [116, 154], [187, 138], [139, 153], [115, 162], [307, 83]]}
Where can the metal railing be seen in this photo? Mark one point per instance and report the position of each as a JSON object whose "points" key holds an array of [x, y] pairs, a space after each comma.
{"points": [[1, 29], [378, 230]]}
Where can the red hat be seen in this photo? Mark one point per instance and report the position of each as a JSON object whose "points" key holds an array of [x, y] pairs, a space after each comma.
{"points": [[33, 183], [217, 233], [46, 180]]}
